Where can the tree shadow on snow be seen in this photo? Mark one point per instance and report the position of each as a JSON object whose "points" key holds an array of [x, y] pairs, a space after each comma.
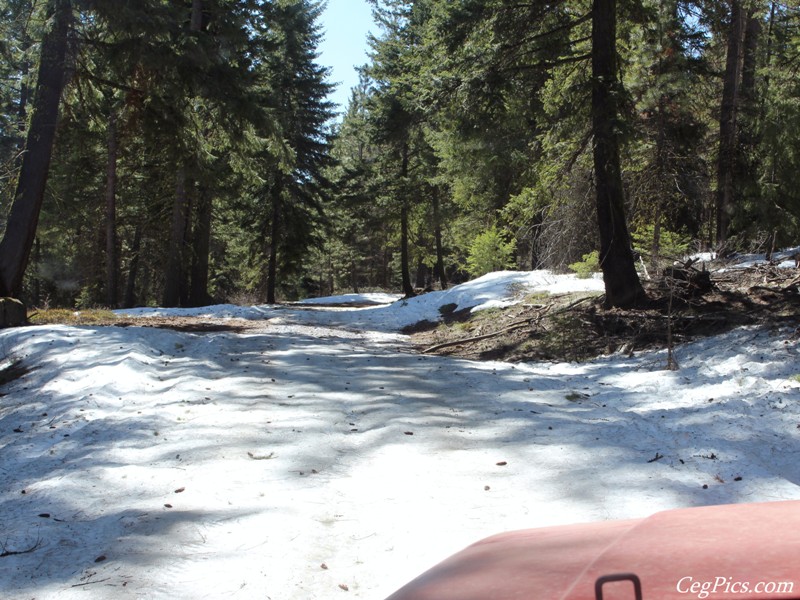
{"points": [[292, 405]]}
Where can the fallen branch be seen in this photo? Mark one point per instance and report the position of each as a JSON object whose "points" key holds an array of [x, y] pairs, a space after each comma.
{"points": [[261, 456], [7, 552], [477, 338], [572, 305], [514, 326], [788, 287], [85, 583]]}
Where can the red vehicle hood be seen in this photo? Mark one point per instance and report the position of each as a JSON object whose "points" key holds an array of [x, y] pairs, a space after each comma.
{"points": [[742, 551]]}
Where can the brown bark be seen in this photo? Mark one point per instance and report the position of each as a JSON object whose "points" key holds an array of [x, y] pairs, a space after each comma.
{"points": [[23, 218], [439, 271], [112, 257], [622, 284], [133, 269], [201, 245], [196, 23], [408, 289], [726, 161], [752, 35], [174, 275], [747, 187], [768, 57], [274, 236]]}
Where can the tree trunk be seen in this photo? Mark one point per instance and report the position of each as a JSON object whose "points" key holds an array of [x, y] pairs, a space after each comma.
{"points": [[726, 161], [133, 269], [23, 218], [421, 279], [622, 284], [768, 58], [353, 277], [201, 241], [747, 136], [112, 258], [175, 292], [196, 22], [274, 236], [174, 275], [408, 289], [752, 35], [437, 236], [405, 270]]}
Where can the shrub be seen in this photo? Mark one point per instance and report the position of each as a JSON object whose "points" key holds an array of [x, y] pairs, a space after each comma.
{"points": [[588, 266], [490, 251], [672, 245]]}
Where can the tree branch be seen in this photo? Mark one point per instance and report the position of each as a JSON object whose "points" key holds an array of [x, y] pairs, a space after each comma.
{"points": [[512, 327], [7, 552]]}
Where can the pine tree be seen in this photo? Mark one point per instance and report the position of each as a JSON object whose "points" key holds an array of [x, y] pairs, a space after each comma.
{"points": [[622, 284], [17, 242], [392, 114], [506, 46], [726, 162], [295, 186], [667, 170]]}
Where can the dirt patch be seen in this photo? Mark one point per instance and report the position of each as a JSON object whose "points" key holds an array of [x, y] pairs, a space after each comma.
{"points": [[316, 305], [571, 327], [191, 324]]}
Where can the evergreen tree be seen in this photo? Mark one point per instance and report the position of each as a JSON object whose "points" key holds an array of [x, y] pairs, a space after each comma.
{"points": [[356, 233], [536, 38], [20, 231], [667, 168], [394, 114], [294, 188], [622, 284], [192, 155]]}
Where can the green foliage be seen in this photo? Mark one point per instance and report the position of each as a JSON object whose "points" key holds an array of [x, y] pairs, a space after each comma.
{"points": [[490, 251], [467, 112], [588, 266], [236, 100], [669, 244], [72, 317]]}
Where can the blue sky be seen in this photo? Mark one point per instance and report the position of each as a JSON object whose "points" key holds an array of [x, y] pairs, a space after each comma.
{"points": [[345, 24]]}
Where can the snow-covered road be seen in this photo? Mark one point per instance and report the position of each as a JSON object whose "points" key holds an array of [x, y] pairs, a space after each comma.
{"points": [[304, 461]]}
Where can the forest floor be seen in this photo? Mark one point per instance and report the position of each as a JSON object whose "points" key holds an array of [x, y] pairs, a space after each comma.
{"points": [[576, 327], [309, 452], [562, 327]]}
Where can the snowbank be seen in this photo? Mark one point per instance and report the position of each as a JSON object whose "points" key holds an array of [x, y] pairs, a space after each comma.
{"points": [[303, 459], [499, 289]]}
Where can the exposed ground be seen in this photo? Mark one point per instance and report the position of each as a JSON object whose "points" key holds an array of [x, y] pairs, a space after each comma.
{"points": [[575, 327], [562, 327], [317, 456], [107, 318]]}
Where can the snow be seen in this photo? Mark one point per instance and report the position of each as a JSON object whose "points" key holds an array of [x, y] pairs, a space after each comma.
{"points": [[368, 298], [391, 313], [315, 452], [783, 259]]}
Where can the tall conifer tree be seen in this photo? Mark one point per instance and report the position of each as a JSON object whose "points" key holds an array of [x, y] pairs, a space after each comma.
{"points": [[17, 242]]}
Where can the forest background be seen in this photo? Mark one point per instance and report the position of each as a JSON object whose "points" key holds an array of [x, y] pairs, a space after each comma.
{"points": [[185, 152]]}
